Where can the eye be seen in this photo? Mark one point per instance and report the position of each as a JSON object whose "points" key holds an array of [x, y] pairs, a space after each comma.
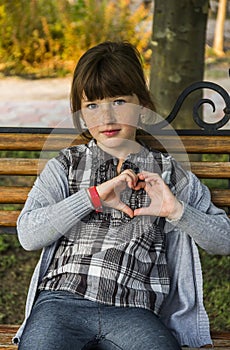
{"points": [[92, 106], [119, 102]]}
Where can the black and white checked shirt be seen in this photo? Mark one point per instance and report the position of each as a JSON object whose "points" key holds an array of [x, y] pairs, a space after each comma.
{"points": [[108, 257]]}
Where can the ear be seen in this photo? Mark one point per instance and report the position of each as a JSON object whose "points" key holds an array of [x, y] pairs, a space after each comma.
{"points": [[79, 122], [141, 116], [82, 122]]}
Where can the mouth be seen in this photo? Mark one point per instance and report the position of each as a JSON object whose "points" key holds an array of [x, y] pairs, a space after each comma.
{"points": [[110, 133]]}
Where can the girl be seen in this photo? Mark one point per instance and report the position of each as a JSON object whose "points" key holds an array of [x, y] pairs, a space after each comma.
{"points": [[118, 223]]}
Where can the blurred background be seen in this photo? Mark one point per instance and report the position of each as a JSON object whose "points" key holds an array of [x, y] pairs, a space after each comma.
{"points": [[41, 41]]}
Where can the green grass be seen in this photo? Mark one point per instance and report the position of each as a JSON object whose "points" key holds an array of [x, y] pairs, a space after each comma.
{"points": [[216, 290], [16, 266]]}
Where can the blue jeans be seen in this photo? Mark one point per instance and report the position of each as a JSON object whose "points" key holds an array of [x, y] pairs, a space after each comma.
{"points": [[64, 321]]}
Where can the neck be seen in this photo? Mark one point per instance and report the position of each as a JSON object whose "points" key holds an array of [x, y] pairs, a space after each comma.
{"points": [[121, 152]]}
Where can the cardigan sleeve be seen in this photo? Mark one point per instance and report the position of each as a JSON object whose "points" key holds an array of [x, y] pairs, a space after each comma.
{"points": [[208, 225], [49, 211]]}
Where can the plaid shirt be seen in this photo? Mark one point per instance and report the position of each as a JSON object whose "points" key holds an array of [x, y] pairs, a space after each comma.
{"points": [[109, 257]]}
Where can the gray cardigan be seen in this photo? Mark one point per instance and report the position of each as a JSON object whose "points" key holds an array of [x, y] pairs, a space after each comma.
{"points": [[50, 212]]}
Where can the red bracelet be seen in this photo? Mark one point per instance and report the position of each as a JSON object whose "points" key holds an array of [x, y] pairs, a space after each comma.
{"points": [[95, 198]]}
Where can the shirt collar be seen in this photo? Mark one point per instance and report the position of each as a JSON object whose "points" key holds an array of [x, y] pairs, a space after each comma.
{"points": [[103, 156]]}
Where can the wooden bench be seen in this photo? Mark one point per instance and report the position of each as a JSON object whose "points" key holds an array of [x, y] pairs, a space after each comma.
{"points": [[211, 145], [31, 140]]}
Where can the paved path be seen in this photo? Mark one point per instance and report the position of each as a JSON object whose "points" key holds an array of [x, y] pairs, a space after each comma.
{"points": [[35, 103], [45, 102]]}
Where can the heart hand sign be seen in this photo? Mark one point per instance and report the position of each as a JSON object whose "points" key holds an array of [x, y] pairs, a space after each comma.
{"points": [[163, 203]]}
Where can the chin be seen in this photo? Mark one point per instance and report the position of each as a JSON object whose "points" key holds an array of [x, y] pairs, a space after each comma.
{"points": [[115, 142]]}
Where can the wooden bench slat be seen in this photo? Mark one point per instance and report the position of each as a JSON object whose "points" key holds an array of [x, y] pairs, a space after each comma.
{"points": [[13, 195], [37, 142], [25, 166], [6, 334], [211, 170], [18, 195], [206, 144], [221, 198], [21, 166], [192, 144], [8, 218]]}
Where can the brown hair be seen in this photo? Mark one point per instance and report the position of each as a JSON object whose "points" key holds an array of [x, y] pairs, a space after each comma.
{"points": [[107, 70]]}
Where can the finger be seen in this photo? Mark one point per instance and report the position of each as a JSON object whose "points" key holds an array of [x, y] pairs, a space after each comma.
{"points": [[130, 178], [132, 174], [125, 180], [146, 174], [147, 187], [131, 171], [154, 179], [140, 185], [141, 211], [141, 176], [125, 208]]}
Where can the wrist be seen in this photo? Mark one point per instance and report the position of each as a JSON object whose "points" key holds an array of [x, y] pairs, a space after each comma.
{"points": [[95, 199], [177, 213]]}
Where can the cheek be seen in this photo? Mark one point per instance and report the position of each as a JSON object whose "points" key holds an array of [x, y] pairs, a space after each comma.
{"points": [[130, 121], [129, 132], [93, 131], [91, 122], [129, 116]]}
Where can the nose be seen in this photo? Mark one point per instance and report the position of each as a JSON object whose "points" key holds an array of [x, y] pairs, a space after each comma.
{"points": [[107, 113]]}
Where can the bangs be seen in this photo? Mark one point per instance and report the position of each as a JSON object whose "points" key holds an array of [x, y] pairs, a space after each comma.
{"points": [[104, 81], [109, 70]]}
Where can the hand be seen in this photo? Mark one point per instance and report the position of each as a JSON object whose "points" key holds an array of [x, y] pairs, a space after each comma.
{"points": [[110, 190], [163, 202]]}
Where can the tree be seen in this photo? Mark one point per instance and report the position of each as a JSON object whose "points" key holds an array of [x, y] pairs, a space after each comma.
{"points": [[178, 48], [218, 42]]}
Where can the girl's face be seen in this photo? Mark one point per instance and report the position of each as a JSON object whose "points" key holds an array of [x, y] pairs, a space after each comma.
{"points": [[112, 121]]}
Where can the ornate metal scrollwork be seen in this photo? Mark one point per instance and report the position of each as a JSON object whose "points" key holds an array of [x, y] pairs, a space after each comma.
{"points": [[208, 127]]}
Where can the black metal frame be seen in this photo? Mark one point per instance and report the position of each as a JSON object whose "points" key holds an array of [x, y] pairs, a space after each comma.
{"points": [[208, 128]]}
